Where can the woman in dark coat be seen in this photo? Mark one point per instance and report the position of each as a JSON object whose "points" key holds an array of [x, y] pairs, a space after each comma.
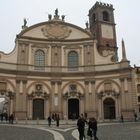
{"points": [[92, 128]]}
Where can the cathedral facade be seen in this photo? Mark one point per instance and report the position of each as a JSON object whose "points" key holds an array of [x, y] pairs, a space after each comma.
{"points": [[58, 67]]}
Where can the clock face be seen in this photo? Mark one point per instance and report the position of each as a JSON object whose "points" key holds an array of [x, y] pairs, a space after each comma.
{"points": [[107, 31]]}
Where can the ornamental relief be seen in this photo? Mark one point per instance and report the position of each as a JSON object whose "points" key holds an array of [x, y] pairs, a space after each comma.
{"points": [[56, 31]]}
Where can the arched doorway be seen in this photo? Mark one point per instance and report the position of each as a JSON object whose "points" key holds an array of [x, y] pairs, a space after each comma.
{"points": [[109, 108], [73, 108], [38, 109]]}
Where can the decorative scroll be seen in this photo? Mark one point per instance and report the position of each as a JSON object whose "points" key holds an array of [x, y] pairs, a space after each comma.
{"points": [[73, 94], [56, 31], [38, 92], [108, 93]]}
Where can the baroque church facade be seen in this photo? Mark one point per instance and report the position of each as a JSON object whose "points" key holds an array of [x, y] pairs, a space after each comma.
{"points": [[58, 67]]}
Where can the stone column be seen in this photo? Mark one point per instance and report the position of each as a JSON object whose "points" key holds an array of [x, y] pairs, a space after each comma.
{"points": [[87, 96], [82, 110], [24, 82], [100, 108], [30, 56], [59, 96], [52, 96], [65, 107], [117, 108], [123, 100], [85, 52], [17, 95], [47, 108], [29, 110], [93, 96], [125, 85]]}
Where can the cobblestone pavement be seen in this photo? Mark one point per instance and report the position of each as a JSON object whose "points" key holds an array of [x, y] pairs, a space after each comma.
{"points": [[116, 131], [125, 131], [21, 133], [107, 131]]}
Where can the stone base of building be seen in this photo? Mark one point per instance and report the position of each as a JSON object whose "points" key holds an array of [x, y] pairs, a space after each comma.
{"points": [[128, 115], [21, 115]]}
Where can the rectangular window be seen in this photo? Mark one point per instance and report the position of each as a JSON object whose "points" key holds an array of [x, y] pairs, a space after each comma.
{"points": [[138, 98], [138, 88]]}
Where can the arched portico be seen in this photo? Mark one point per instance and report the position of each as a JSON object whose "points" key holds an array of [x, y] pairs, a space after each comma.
{"points": [[108, 97], [38, 104]]}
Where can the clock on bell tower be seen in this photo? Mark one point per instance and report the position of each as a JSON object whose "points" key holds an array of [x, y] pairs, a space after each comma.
{"points": [[102, 27]]}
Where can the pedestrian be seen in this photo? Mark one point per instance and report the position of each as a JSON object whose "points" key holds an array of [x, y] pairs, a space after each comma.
{"points": [[57, 120], [89, 131], [1, 115], [11, 118], [135, 116], [81, 128], [92, 128], [49, 121]]}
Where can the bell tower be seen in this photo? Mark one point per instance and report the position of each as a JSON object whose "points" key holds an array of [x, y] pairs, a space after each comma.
{"points": [[102, 27]]}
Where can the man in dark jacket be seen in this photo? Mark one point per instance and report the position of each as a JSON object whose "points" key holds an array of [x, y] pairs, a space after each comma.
{"points": [[81, 128]]}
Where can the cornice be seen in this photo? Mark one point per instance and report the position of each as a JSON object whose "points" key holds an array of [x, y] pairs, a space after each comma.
{"points": [[53, 40], [65, 74]]}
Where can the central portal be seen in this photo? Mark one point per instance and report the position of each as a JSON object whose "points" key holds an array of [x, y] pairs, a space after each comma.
{"points": [[38, 109], [109, 109], [73, 109]]}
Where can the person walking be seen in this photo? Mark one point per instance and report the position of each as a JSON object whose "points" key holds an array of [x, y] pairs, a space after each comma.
{"points": [[135, 116], [92, 128], [49, 121], [11, 118], [57, 120], [81, 128]]}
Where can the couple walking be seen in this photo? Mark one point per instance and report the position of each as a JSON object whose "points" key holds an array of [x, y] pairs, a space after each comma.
{"points": [[92, 128]]}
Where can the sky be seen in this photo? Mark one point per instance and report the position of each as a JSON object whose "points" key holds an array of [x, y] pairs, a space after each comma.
{"points": [[126, 13]]}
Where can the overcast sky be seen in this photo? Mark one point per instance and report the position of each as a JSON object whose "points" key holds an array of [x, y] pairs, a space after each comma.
{"points": [[127, 18]]}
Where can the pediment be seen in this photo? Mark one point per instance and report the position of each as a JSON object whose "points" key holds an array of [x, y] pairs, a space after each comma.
{"points": [[55, 30]]}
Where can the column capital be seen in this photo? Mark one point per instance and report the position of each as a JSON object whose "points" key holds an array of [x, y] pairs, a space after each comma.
{"points": [[24, 81], [122, 79], [93, 82], [18, 81], [53, 82], [86, 82]]}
